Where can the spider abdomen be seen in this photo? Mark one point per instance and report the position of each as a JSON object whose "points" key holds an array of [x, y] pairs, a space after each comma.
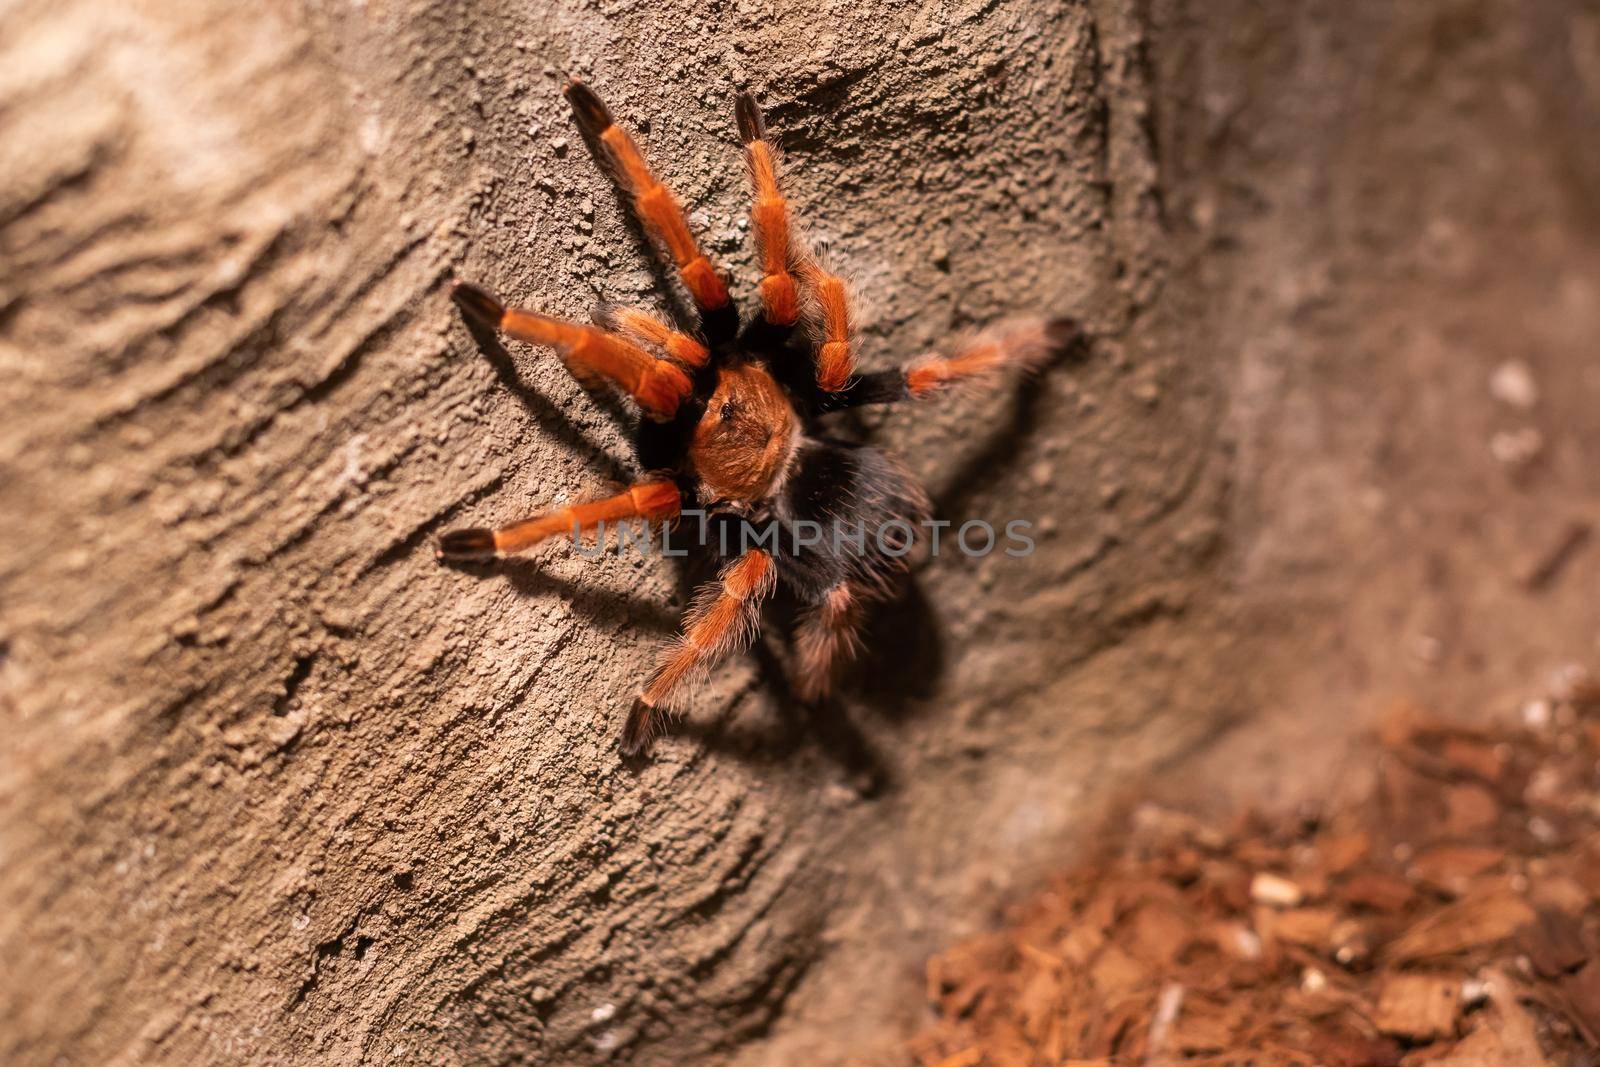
{"points": [[848, 513]]}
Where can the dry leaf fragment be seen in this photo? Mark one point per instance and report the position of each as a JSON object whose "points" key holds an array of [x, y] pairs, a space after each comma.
{"points": [[1418, 1007]]}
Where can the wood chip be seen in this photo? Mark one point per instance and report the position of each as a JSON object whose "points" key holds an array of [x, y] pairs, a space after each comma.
{"points": [[1340, 852], [1461, 899], [1470, 809], [1311, 927], [1236, 939], [1275, 890], [1480, 759], [1453, 867], [1581, 996], [1418, 1007], [1510, 1022], [1351, 942], [1346, 1047], [1554, 943], [1560, 893], [1115, 972], [1202, 1033], [1483, 1047], [1380, 892], [1472, 921], [1158, 932]]}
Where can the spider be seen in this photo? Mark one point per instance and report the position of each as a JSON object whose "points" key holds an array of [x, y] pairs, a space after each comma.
{"points": [[735, 426]]}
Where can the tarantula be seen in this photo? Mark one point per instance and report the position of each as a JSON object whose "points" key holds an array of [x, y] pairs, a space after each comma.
{"points": [[734, 424]]}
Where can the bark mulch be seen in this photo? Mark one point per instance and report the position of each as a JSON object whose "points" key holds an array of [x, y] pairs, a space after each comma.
{"points": [[1450, 918]]}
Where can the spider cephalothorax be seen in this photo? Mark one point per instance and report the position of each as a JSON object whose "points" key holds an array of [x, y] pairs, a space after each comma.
{"points": [[735, 426]]}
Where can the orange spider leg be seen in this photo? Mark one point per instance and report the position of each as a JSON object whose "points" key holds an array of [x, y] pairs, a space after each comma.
{"points": [[658, 209], [650, 501], [646, 327], [588, 352], [836, 352], [1022, 343], [769, 216], [787, 261], [827, 639], [723, 620]]}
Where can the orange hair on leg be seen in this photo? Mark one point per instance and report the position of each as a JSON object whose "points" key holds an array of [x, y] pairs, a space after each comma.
{"points": [[827, 639], [657, 208], [792, 272], [650, 501], [589, 353], [646, 327], [1022, 343], [769, 218], [835, 353], [723, 620]]}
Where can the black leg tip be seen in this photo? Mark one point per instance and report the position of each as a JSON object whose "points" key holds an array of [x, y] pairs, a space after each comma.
{"points": [[592, 115], [465, 545], [748, 114], [1062, 332], [640, 730], [478, 304]]}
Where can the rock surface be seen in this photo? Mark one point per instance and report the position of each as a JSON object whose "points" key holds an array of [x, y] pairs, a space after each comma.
{"points": [[276, 787]]}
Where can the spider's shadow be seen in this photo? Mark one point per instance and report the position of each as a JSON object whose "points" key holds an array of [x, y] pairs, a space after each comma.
{"points": [[546, 414], [896, 674], [605, 607], [662, 287]]}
